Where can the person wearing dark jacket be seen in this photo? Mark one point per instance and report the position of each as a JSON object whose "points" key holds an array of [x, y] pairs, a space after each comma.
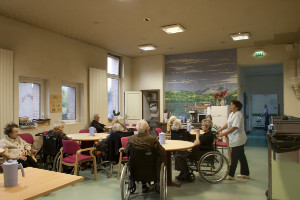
{"points": [[97, 125], [203, 144]]}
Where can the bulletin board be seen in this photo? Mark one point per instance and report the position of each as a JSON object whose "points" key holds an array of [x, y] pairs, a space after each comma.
{"points": [[55, 103]]}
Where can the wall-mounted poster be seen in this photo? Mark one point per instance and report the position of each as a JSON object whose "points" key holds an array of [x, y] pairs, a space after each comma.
{"points": [[201, 78], [55, 103]]}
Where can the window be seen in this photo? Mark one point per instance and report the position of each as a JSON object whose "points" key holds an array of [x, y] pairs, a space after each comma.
{"points": [[29, 100], [68, 103], [113, 66]]}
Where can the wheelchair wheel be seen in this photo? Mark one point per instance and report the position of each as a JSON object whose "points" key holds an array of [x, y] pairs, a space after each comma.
{"points": [[163, 182], [124, 183], [213, 167]]}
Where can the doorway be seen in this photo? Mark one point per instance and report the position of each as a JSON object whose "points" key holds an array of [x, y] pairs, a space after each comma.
{"points": [[261, 84]]}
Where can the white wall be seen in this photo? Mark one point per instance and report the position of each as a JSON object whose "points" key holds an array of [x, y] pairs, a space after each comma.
{"points": [[147, 74], [43, 54]]}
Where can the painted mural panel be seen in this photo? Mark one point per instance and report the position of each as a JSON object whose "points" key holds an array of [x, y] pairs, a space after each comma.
{"points": [[194, 79]]}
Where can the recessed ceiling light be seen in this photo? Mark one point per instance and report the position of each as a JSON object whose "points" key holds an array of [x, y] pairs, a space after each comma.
{"points": [[171, 29], [240, 36], [147, 47]]}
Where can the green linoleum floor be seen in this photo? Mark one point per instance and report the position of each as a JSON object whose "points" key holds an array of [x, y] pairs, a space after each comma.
{"points": [[108, 188]]}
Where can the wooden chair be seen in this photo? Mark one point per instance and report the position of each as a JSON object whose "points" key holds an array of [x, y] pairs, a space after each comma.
{"points": [[122, 158], [75, 158], [222, 145], [27, 137]]}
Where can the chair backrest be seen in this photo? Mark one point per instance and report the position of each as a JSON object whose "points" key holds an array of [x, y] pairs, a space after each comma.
{"points": [[142, 161], [158, 131], [133, 124], [51, 145], [84, 131], [45, 132], [70, 147], [27, 137], [126, 124], [124, 141], [181, 134]]}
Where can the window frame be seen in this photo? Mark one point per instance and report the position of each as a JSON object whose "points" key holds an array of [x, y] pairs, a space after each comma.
{"points": [[113, 76], [41, 82], [77, 103]]}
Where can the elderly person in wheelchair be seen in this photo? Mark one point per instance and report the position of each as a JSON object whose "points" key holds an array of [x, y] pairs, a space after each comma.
{"points": [[203, 144], [146, 155]]}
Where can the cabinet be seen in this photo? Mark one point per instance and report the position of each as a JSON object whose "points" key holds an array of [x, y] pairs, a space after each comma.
{"points": [[151, 106], [219, 115]]}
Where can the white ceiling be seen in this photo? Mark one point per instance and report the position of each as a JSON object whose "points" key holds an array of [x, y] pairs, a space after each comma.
{"points": [[118, 25]]}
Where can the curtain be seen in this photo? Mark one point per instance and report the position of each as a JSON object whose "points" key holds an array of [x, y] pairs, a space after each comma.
{"points": [[98, 94], [6, 88]]}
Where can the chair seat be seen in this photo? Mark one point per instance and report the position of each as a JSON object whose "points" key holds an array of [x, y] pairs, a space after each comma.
{"points": [[222, 144], [125, 158], [72, 159]]}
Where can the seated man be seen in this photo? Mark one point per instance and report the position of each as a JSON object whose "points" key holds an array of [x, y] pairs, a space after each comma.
{"points": [[178, 133], [15, 147], [58, 131], [145, 141], [203, 144], [97, 125]]}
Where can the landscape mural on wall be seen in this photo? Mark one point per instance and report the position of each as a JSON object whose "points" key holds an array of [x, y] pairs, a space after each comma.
{"points": [[193, 79]]}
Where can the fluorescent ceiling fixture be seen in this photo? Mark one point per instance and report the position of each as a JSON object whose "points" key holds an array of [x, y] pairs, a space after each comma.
{"points": [[171, 29], [147, 47], [240, 36]]}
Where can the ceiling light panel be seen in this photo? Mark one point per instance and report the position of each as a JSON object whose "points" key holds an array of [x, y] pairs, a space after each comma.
{"points": [[240, 36], [147, 47], [171, 29]]}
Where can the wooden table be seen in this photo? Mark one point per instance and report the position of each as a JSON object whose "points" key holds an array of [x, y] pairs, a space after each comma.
{"points": [[174, 145], [87, 137], [129, 127], [37, 183], [193, 132]]}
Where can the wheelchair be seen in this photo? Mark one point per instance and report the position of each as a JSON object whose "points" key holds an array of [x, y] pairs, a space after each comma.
{"points": [[50, 154], [143, 166], [212, 167]]}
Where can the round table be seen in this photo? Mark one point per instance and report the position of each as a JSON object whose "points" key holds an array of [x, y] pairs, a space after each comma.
{"points": [[174, 145], [193, 132], [87, 137]]}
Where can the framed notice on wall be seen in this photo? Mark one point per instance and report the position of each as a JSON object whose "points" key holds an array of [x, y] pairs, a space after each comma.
{"points": [[55, 103]]}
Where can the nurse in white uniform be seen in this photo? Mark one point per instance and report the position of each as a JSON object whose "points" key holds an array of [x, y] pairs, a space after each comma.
{"points": [[237, 138]]}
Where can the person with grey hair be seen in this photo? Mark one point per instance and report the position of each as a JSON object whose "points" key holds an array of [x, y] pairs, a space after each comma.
{"points": [[58, 131], [203, 144], [170, 124], [116, 120], [97, 125], [176, 125], [145, 141]]}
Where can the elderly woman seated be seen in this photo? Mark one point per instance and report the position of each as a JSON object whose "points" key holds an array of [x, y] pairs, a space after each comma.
{"points": [[179, 133], [58, 131], [203, 144], [14, 147], [116, 120]]}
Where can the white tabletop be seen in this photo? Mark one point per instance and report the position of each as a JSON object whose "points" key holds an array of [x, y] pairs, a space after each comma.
{"points": [[174, 145], [87, 137]]}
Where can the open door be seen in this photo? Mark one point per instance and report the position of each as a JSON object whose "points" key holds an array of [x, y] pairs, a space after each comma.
{"points": [[133, 106]]}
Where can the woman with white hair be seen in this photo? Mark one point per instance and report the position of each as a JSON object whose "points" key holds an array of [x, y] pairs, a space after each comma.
{"points": [[170, 124], [58, 131], [178, 133]]}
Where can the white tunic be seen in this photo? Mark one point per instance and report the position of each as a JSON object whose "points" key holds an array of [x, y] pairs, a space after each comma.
{"points": [[237, 137], [14, 148]]}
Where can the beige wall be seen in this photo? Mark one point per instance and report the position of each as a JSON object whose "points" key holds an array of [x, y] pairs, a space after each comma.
{"points": [[45, 55], [148, 73]]}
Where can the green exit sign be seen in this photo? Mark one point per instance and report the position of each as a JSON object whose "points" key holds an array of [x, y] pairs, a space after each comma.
{"points": [[259, 54]]}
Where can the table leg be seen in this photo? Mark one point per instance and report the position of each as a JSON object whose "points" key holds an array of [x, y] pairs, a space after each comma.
{"points": [[169, 171]]}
